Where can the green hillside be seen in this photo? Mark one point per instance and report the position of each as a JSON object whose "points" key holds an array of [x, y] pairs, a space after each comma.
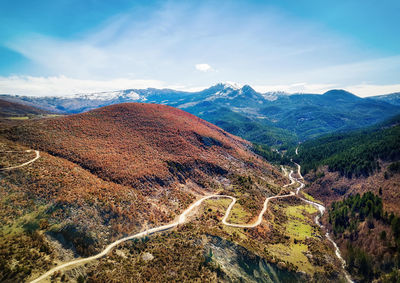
{"points": [[355, 153]]}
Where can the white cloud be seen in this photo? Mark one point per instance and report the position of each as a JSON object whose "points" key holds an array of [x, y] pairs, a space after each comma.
{"points": [[203, 67], [362, 90], [295, 88], [365, 90], [64, 86], [170, 45]]}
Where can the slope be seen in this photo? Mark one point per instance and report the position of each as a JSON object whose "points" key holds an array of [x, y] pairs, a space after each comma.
{"points": [[136, 143], [357, 174], [392, 98], [355, 153], [12, 109], [112, 172]]}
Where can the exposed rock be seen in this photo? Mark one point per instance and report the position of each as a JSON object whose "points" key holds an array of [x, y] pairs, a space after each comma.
{"points": [[147, 256], [120, 253]]}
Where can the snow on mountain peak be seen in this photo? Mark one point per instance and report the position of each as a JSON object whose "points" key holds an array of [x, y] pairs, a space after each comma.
{"points": [[232, 85], [110, 95]]}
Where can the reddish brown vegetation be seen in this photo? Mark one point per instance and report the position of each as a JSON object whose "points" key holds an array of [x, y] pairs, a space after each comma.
{"points": [[138, 144], [331, 187], [8, 109], [118, 169], [370, 238]]}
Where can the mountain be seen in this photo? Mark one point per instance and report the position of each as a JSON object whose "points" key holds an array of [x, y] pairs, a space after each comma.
{"points": [[277, 118], [311, 115], [393, 98], [12, 109], [114, 171]]}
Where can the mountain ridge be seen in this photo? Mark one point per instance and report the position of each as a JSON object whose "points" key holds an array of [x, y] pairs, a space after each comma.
{"points": [[286, 118]]}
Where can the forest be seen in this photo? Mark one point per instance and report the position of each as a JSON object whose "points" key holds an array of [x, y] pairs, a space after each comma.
{"points": [[353, 154], [358, 217], [270, 155]]}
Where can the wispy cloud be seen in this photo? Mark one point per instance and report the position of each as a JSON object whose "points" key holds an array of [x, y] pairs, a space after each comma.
{"points": [[362, 90], [171, 43], [167, 43], [64, 86]]}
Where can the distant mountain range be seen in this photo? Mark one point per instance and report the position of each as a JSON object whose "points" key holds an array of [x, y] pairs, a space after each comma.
{"points": [[273, 118], [10, 109]]}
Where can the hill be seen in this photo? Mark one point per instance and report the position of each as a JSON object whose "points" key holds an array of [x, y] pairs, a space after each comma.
{"points": [[276, 119], [12, 109], [122, 169], [140, 144], [111, 172]]}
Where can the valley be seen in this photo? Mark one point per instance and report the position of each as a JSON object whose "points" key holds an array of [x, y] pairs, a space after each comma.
{"points": [[107, 190], [199, 141], [347, 170]]}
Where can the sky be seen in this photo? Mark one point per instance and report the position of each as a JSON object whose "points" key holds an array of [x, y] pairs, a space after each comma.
{"points": [[60, 47]]}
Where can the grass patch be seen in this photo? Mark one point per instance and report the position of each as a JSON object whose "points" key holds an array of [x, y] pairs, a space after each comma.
{"points": [[299, 210], [27, 223], [297, 226], [216, 204], [214, 207], [310, 198], [18, 118], [298, 230], [239, 215], [293, 253]]}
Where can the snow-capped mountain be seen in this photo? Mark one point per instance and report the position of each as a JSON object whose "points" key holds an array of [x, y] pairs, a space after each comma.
{"points": [[110, 95], [274, 95]]}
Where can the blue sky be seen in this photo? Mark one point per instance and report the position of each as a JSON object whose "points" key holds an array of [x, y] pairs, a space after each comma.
{"points": [[50, 47]]}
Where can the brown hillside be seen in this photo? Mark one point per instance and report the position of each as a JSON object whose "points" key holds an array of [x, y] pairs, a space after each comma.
{"points": [[12, 109], [144, 145]]}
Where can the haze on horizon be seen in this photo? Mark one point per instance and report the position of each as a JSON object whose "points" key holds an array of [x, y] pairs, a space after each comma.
{"points": [[72, 46]]}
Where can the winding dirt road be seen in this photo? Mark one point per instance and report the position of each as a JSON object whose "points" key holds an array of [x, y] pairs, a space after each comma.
{"points": [[183, 218]]}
